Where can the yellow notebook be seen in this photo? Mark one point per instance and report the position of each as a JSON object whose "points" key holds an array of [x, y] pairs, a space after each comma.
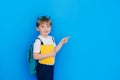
{"points": [[45, 49]]}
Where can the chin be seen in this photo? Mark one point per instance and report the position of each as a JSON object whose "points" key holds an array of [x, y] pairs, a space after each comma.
{"points": [[46, 34]]}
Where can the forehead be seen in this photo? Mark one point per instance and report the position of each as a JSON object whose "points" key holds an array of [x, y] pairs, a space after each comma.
{"points": [[44, 23]]}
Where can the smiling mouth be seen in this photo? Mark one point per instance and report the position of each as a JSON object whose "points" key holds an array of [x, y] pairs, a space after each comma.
{"points": [[46, 32]]}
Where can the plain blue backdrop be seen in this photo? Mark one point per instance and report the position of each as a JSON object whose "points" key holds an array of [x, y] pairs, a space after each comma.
{"points": [[92, 53]]}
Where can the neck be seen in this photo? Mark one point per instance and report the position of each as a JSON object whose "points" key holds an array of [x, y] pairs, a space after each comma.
{"points": [[44, 36]]}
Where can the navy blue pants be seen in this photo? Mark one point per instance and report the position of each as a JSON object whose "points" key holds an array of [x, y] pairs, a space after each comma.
{"points": [[45, 72]]}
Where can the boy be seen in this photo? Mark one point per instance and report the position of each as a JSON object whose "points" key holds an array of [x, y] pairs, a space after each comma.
{"points": [[45, 49]]}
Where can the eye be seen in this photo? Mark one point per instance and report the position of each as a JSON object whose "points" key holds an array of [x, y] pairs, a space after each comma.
{"points": [[42, 26], [48, 26]]}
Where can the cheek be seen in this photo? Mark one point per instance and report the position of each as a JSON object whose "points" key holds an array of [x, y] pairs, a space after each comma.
{"points": [[49, 28], [41, 30]]}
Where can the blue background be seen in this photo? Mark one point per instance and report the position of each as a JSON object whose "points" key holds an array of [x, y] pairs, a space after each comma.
{"points": [[92, 53]]}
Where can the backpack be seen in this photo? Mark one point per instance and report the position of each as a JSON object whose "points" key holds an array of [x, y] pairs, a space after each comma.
{"points": [[32, 63]]}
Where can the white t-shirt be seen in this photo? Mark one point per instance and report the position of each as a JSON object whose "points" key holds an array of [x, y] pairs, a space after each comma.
{"points": [[46, 40]]}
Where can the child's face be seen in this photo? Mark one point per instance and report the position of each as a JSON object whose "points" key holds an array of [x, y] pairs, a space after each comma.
{"points": [[44, 28]]}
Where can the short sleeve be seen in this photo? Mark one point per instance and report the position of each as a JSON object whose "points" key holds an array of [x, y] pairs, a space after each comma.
{"points": [[37, 44]]}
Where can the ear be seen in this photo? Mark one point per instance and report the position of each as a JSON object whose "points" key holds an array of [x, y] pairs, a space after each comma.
{"points": [[37, 28]]}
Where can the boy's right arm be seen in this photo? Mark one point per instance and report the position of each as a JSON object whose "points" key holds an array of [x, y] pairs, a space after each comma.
{"points": [[38, 56]]}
